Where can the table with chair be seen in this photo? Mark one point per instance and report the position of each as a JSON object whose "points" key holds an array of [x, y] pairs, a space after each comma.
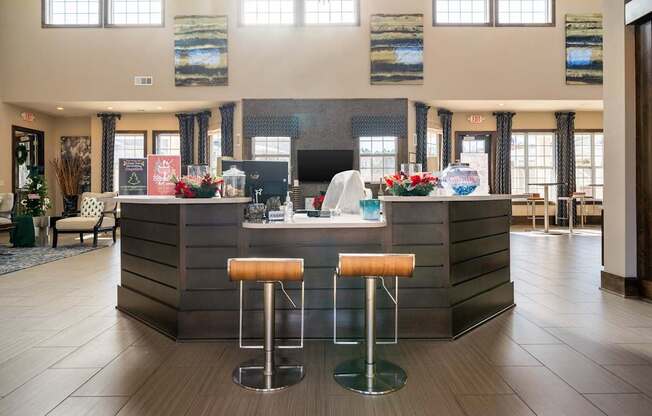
{"points": [[97, 214]]}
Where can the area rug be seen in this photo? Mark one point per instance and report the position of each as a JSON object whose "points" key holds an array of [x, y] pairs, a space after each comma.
{"points": [[24, 258]]}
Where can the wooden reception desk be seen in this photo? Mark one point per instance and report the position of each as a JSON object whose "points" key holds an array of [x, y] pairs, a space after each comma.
{"points": [[175, 251]]}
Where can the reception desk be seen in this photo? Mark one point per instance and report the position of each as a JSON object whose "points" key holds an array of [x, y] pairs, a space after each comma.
{"points": [[175, 251]]}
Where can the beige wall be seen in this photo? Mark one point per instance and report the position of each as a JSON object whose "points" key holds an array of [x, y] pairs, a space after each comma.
{"points": [[58, 65]]}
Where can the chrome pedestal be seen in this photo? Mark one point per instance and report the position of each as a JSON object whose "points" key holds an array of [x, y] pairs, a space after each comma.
{"points": [[368, 375]]}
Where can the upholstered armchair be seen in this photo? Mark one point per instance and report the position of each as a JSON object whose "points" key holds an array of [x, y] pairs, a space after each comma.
{"points": [[97, 214], [6, 208]]}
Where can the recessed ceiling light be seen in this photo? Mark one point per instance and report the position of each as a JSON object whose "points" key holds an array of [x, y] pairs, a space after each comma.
{"points": [[60, 108], [159, 108], [109, 108], [501, 105]]}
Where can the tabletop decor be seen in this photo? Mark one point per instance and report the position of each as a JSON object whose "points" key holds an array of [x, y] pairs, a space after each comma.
{"points": [[318, 201], [370, 209], [70, 172], [401, 184], [191, 187], [460, 178]]}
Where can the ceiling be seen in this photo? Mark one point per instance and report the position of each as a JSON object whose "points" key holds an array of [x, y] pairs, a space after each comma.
{"points": [[87, 108], [518, 105]]}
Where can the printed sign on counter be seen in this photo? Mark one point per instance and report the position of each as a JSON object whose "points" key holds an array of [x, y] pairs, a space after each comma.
{"points": [[160, 169], [132, 176]]}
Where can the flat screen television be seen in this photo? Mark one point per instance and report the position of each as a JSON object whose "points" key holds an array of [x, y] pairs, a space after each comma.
{"points": [[322, 165]]}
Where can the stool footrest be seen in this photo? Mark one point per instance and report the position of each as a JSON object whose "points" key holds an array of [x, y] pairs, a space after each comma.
{"points": [[250, 375]]}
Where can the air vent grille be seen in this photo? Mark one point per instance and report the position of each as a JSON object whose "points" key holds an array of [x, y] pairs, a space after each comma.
{"points": [[143, 80]]}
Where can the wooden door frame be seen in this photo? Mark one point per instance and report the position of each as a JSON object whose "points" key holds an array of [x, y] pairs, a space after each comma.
{"points": [[491, 152], [41, 151]]}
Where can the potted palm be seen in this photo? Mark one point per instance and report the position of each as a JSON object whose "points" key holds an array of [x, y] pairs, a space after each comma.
{"points": [[70, 172]]}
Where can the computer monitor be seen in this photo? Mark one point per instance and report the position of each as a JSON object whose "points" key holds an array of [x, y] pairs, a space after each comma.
{"points": [[270, 176]]}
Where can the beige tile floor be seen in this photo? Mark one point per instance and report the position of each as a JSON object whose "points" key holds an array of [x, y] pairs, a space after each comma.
{"points": [[566, 349]]}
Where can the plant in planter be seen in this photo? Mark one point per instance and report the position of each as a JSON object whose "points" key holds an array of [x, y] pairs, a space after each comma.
{"points": [[187, 187], [416, 185], [319, 201], [70, 172], [35, 201]]}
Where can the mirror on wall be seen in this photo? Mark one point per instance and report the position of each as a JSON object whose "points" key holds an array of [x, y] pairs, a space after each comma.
{"points": [[27, 153]]}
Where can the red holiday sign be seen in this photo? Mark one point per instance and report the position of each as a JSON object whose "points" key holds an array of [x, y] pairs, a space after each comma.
{"points": [[160, 170]]}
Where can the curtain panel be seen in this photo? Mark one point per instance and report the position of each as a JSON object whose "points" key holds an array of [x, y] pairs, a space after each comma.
{"points": [[422, 134], [202, 143], [565, 159], [271, 126], [503, 175], [446, 118], [363, 126], [108, 148], [187, 138], [227, 112]]}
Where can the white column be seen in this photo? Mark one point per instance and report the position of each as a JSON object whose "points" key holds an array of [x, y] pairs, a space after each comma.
{"points": [[620, 142]]}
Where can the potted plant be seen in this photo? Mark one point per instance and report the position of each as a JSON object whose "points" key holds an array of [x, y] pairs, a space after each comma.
{"points": [[188, 187], [421, 184], [70, 172], [35, 201]]}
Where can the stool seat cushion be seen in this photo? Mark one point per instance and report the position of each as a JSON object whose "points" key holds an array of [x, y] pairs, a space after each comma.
{"points": [[265, 270], [363, 265], [83, 223], [4, 221]]}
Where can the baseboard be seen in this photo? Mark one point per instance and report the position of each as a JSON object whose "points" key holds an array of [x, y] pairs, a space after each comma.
{"points": [[627, 287]]}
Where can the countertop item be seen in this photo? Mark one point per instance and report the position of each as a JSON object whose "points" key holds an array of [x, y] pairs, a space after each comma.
{"points": [[302, 221], [451, 198], [171, 200]]}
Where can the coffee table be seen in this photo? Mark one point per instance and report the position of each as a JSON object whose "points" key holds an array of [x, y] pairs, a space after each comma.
{"points": [[6, 228]]}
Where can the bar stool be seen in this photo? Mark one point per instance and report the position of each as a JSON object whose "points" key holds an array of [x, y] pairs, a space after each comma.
{"points": [[368, 375], [569, 211], [267, 376], [582, 198], [531, 202]]}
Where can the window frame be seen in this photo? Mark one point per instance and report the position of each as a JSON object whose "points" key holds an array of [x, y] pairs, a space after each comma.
{"points": [[356, 22], [157, 133], [129, 132], [299, 17], [108, 24], [490, 23], [438, 135], [395, 155], [211, 133], [594, 166], [552, 23], [527, 167], [45, 9]]}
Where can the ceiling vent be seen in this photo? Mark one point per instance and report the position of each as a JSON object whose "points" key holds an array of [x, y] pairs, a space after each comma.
{"points": [[143, 81]]}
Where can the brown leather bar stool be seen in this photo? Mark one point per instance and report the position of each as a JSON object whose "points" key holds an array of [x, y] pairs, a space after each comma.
{"points": [[267, 376], [369, 375]]}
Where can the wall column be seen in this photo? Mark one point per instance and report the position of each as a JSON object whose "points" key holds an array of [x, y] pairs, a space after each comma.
{"points": [[619, 94]]}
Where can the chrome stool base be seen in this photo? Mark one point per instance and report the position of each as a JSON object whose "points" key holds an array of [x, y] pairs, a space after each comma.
{"points": [[250, 376], [352, 375]]}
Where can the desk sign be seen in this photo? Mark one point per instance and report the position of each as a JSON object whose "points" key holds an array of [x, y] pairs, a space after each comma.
{"points": [[132, 176], [160, 170]]}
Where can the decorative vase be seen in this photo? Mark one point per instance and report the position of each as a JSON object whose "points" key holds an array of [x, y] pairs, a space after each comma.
{"points": [[370, 209], [461, 179], [206, 191], [70, 204]]}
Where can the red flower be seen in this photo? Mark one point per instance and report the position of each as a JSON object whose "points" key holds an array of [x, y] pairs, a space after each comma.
{"points": [[318, 201], [389, 181], [415, 180]]}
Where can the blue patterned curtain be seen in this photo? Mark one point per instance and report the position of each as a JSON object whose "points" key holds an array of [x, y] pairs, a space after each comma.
{"points": [[271, 126], [503, 175], [187, 138], [422, 134], [565, 158], [227, 112], [202, 143], [446, 118], [362, 126], [108, 148]]}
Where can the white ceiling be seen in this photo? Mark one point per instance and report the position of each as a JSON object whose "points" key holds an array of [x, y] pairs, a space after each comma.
{"points": [[518, 105], [87, 108]]}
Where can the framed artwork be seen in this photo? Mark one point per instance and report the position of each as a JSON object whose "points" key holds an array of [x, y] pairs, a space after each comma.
{"points": [[79, 146], [584, 49], [397, 49], [201, 51]]}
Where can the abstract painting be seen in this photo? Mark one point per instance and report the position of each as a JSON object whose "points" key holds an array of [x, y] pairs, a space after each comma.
{"points": [[79, 146], [584, 49], [201, 51], [397, 49]]}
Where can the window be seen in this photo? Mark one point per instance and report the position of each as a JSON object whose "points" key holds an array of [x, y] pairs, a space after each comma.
{"points": [[433, 143], [134, 12], [215, 138], [167, 143], [532, 162], [268, 12], [472, 145], [325, 12], [589, 163], [462, 12], [273, 149], [377, 157], [127, 145], [78, 13], [525, 12]]}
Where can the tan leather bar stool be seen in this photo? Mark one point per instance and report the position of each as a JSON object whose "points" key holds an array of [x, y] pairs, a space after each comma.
{"points": [[268, 376], [531, 202], [369, 375]]}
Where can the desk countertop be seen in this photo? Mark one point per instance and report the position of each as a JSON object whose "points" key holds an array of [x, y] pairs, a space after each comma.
{"points": [[451, 198], [301, 221], [171, 200]]}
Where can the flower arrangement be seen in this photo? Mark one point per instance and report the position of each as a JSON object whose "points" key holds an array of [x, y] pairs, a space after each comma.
{"points": [[192, 187], [318, 201], [35, 201], [401, 184]]}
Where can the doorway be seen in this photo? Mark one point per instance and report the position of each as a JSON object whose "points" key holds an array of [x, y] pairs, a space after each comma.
{"points": [[477, 149], [28, 153]]}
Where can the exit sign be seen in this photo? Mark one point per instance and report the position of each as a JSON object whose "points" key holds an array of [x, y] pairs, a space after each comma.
{"points": [[476, 119]]}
